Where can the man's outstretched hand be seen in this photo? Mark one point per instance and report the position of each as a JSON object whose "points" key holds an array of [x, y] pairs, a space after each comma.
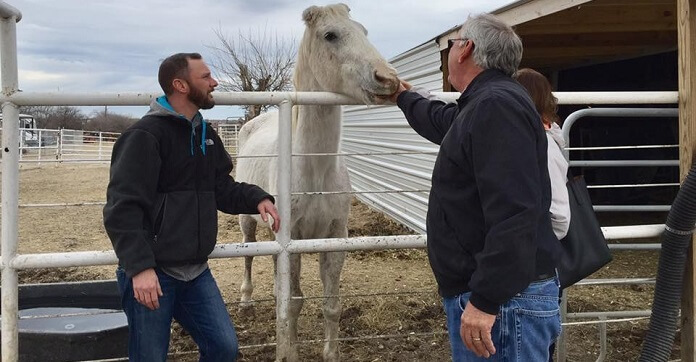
{"points": [[266, 208], [403, 86]]}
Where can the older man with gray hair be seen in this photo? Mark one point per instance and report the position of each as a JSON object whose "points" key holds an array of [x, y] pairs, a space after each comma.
{"points": [[490, 241]]}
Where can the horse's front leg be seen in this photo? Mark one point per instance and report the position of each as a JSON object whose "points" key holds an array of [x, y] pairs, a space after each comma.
{"points": [[248, 225], [296, 303], [330, 265]]}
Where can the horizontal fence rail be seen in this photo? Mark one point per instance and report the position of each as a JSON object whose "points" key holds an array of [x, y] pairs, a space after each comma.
{"points": [[591, 98], [265, 248], [317, 98], [144, 99]]}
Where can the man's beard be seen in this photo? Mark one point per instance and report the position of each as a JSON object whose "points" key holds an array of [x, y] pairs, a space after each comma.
{"points": [[200, 99]]}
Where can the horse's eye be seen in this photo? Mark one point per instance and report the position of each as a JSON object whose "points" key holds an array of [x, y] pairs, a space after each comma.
{"points": [[330, 36]]}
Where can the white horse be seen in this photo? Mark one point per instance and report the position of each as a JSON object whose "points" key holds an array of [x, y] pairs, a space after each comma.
{"points": [[334, 56]]}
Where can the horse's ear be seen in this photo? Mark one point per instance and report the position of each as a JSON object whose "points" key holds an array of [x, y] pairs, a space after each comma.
{"points": [[310, 15]]}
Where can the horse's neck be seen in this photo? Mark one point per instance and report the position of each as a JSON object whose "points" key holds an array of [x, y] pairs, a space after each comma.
{"points": [[318, 129]]}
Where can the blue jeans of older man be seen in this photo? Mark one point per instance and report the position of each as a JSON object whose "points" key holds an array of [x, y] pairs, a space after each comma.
{"points": [[524, 328], [197, 305]]}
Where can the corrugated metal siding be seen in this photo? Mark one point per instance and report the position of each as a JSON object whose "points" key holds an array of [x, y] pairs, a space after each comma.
{"points": [[384, 129]]}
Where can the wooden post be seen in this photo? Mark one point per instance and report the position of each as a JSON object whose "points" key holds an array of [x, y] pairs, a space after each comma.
{"points": [[686, 29]]}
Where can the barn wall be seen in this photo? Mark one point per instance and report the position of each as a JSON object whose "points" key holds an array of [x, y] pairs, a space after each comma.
{"points": [[384, 129]]}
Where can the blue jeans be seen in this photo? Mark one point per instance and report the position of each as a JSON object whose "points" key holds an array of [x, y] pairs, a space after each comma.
{"points": [[197, 305], [524, 328]]}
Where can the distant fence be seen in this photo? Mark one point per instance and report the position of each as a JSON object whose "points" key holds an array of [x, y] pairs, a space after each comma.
{"points": [[65, 145], [69, 145], [229, 135]]}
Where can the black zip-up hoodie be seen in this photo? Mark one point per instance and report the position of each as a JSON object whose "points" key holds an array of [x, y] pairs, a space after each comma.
{"points": [[488, 224], [168, 178]]}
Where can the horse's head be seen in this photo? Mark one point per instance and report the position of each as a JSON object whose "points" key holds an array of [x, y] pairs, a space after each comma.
{"points": [[335, 56]]}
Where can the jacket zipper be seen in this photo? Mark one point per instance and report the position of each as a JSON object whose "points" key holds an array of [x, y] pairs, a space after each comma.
{"points": [[198, 160]]}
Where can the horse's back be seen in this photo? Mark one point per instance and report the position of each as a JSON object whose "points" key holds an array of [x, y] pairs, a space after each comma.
{"points": [[257, 137], [259, 127]]}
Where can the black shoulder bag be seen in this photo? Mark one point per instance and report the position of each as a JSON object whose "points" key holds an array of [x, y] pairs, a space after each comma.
{"points": [[584, 248]]}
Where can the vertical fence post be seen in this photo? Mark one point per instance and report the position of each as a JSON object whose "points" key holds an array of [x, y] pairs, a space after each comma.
{"points": [[40, 147], [235, 131], [10, 189], [61, 140], [10, 207], [284, 345], [602, 327], [100, 145], [22, 144]]}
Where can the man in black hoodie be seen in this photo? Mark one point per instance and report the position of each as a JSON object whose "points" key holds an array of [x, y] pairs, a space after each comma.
{"points": [[490, 241], [170, 174]]}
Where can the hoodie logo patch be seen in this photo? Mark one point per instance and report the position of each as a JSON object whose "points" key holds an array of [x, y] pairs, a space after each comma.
{"points": [[209, 142]]}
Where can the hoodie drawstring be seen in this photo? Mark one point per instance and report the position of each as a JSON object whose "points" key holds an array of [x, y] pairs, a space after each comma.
{"points": [[164, 103], [193, 132], [203, 126], [203, 132]]}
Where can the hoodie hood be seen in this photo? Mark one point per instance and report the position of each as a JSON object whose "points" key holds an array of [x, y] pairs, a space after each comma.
{"points": [[161, 107], [557, 134]]}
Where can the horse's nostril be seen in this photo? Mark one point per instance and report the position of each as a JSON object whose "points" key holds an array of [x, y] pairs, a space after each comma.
{"points": [[380, 78]]}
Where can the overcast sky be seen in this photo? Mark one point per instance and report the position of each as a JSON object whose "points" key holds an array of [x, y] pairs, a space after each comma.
{"points": [[116, 46]]}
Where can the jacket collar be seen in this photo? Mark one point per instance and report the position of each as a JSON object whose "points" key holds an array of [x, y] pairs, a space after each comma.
{"points": [[478, 82]]}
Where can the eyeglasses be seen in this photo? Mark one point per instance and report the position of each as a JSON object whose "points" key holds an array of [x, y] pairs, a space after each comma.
{"points": [[450, 42]]}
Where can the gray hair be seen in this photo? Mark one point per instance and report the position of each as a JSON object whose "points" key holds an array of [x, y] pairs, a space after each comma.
{"points": [[496, 45]]}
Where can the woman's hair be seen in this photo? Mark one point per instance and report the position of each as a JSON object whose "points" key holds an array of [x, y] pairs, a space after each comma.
{"points": [[539, 89]]}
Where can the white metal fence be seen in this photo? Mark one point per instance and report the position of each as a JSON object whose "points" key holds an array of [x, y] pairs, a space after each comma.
{"points": [[69, 145], [77, 145], [229, 134], [610, 114], [12, 262], [65, 145]]}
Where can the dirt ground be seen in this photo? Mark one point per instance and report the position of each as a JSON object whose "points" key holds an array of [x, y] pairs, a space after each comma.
{"points": [[386, 293]]}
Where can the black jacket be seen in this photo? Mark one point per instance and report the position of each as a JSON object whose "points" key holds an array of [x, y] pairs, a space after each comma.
{"points": [[164, 193], [488, 224]]}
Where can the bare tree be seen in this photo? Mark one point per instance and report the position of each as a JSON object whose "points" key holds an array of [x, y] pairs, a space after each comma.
{"points": [[40, 113], [54, 117], [66, 117], [255, 62], [109, 122]]}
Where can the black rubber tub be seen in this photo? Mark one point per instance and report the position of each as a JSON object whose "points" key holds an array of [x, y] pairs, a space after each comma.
{"points": [[71, 322]]}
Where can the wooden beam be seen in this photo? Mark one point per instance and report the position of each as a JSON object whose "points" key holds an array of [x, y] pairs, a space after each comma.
{"points": [[601, 3], [518, 14], [589, 19], [645, 38], [598, 28], [591, 51], [557, 63], [624, 14], [686, 29]]}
